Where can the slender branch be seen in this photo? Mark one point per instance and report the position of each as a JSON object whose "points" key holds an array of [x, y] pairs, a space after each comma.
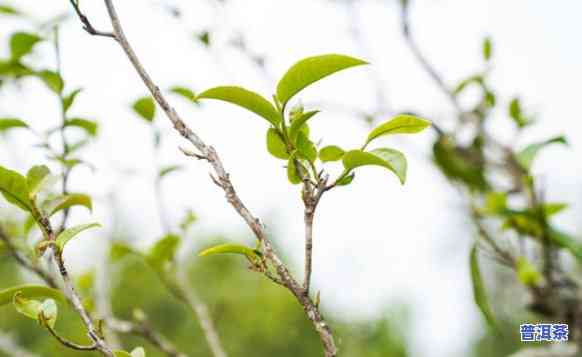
{"points": [[223, 180], [64, 341], [87, 26]]}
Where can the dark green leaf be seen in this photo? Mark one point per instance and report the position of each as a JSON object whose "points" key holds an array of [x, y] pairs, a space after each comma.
{"points": [[63, 202], [299, 123], [89, 126], [479, 293], [276, 145], [14, 188], [401, 124], [31, 291], [65, 236], [204, 38], [11, 123], [516, 113], [306, 147], [526, 156], [52, 80], [311, 70], [391, 159], [250, 253], [331, 153], [37, 178], [22, 43], [145, 107], [245, 99]]}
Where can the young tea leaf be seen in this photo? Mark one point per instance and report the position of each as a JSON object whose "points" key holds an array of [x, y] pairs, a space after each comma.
{"points": [[306, 147], [527, 272], [63, 202], [246, 99], [14, 188], [31, 291], [185, 93], [145, 108], [276, 145], [22, 43], [89, 126], [27, 307], [331, 153], [37, 178], [526, 156], [120, 353], [487, 48], [391, 159], [163, 251], [231, 249], [70, 99], [64, 237], [11, 123], [479, 293], [311, 70], [52, 80], [168, 170], [299, 123], [401, 124], [292, 173]]}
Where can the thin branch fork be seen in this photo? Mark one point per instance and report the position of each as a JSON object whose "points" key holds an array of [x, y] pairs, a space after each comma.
{"points": [[87, 26], [209, 154]]}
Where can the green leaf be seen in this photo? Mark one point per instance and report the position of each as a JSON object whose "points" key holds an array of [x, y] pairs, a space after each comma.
{"points": [[8, 10], [184, 92], [299, 123], [37, 178], [67, 201], [551, 209], [189, 219], [401, 124], [527, 273], [487, 48], [475, 79], [516, 113], [120, 353], [306, 147], [70, 99], [204, 37], [88, 126], [168, 170], [145, 107], [120, 250], [163, 251], [311, 70], [276, 145], [526, 156], [246, 99], [11, 123], [64, 237], [292, 173], [22, 43], [331, 153], [52, 80], [566, 241], [138, 352], [250, 253], [14, 188], [495, 203], [346, 180], [391, 159], [31, 291], [479, 293], [48, 313], [27, 307]]}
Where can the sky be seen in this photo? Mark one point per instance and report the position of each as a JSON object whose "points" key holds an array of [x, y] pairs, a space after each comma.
{"points": [[377, 242]]}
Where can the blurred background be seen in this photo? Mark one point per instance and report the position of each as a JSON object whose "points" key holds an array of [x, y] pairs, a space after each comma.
{"points": [[391, 261]]}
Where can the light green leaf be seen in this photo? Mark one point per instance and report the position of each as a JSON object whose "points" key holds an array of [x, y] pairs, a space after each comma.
{"points": [[346, 180], [189, 219], [145, 107], [526, 156], [70, 233], [120, 353], [479, 293], [22, 43], [168, 170], [475, 79], [138, 352], [37, 179], [120, 250], [246, 99], [495, 203], [311, 70], [400, 124], [63, 202], [28, 308], [551, 209], [306, 147], [567, 242], [11, 123], [527, 273], [8, 10], [48, 312], [184, 92], [276, 145], [89, 126], [331, 153], [14, 188], [516, 113], [163, 251], [391, 159], [70, 99], [292, 173], [31, 291], [52, 80], [299, 123], [231, 249], [487, 48]]}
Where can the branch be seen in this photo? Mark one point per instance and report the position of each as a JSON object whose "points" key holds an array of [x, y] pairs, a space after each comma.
{"points": [[63, 340], [223, 180], [87, 26]]}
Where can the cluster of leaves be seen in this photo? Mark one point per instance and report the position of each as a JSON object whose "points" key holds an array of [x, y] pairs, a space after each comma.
{"points": [[499, 181]]}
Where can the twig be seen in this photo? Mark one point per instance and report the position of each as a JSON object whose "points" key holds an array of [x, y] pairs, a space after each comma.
{"points": [[223, 179], [63, 340], [87, 26]]}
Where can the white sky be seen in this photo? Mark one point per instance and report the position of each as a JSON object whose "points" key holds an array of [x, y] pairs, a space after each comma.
{"points": [[376, 242]]}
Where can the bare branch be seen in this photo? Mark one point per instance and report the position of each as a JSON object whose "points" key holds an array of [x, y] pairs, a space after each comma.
{"points": [[87, 26]]}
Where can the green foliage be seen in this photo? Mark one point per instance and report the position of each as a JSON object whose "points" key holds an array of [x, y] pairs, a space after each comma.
{"points": [[461, 164], [305, 147], [164, 171], [517, 114], [479, 293], [69, 99], [89, 126], [37, 178], [52, 80], [251, 254], [63, 202], [163, 251], [292, 173], [401, 124], [487, 48], [22, 43], [331, 153], [526, 156], [311, 70], [8, 10], [44, 312], [30, 291], [185, 93], [11, 123], [391, 159], [299, 124], [14, 188], [65, 236], [276, 144], [527, 272], [145, 108], [246, 99]]}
